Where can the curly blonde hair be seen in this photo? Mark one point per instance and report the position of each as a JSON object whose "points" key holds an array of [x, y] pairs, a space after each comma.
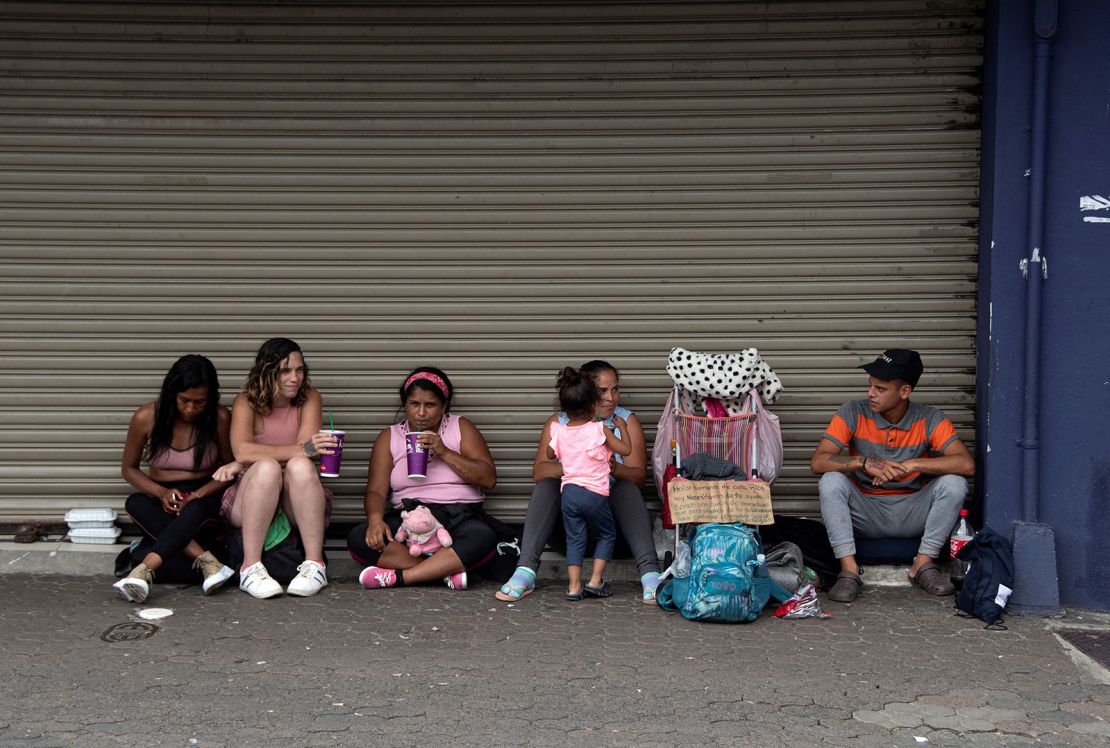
{"points": [[261, 387]]}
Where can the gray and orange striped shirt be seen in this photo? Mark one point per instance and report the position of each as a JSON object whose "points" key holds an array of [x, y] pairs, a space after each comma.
{"points": [[924, 431]]}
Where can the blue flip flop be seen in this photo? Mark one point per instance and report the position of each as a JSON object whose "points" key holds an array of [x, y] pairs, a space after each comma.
{"points": [[520, 584]]}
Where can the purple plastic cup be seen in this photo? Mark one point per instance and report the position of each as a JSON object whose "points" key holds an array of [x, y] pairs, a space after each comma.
{"points": [[329, 464], [417, 457]]}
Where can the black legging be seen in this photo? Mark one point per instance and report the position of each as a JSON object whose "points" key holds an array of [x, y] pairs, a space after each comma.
{"points": [[471, 538], [171, 533], [627, 504]]}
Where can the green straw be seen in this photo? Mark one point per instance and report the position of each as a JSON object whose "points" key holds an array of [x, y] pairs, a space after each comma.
{"points": [[331, 421]]}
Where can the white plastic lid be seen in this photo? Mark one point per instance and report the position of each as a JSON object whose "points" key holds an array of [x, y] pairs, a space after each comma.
{"points": [[95, 532], [99, 514]]}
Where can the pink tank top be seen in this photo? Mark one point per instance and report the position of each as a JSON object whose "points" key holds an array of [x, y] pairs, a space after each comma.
{"points": [[443, 485], [182, 459], [584, 454], [280, 427]]}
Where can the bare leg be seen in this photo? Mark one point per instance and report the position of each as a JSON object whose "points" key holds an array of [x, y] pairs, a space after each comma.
{"points": [[303, 501], [574, 579], [442, 563], [255, 505], [848, 563], [597, 574], [396, 556], [152, 560], [919, 560]]}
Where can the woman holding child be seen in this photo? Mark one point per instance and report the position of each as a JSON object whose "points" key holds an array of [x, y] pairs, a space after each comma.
{"points": [[460, 467], [627, 475]]}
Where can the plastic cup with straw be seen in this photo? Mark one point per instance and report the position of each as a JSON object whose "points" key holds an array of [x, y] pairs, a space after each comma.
{"points": [[417, 456], [329, 464]]}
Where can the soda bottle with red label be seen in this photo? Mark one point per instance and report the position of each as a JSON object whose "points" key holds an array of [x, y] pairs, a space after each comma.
{"points": [[962, 533]]}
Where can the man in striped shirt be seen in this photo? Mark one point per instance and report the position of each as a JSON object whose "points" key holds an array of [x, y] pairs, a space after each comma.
{"points": [[904, 474]]}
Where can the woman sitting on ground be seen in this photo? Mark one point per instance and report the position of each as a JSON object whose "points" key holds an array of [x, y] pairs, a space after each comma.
{"points": [[625, 500], [275, 435], [182, 436], [459, 467]]}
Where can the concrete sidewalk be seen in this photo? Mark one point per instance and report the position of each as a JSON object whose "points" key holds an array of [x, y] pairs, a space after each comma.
{"points": [[428, 666], [59, 556]]}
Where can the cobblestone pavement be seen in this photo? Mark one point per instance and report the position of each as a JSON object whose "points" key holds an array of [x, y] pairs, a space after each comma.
{"points": [[429, 666]]}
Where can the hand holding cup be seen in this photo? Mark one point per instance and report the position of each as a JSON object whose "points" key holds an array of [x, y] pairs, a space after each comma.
{"points": [[417, 453], [330, 446]]}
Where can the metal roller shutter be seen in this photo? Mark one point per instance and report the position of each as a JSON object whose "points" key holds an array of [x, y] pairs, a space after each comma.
{"points": [[499, 189]]}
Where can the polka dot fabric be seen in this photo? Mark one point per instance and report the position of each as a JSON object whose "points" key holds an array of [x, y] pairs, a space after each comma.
{"points": [[724, 376]]}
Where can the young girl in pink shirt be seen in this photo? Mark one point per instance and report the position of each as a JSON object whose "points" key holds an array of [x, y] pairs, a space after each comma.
{"points": [[585, 446]]}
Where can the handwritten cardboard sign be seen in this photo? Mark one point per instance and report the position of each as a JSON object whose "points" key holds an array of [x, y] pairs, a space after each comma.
{"points": [[721, 501]]}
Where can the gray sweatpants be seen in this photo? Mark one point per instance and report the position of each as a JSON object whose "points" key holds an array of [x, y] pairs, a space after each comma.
{"points": [[931, 513], [625, 501]]}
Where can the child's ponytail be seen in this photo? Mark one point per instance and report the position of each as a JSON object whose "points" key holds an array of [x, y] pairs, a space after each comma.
{"points": [[578, 394]]}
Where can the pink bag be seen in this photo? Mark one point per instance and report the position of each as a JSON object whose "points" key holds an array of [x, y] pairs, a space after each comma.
{"points": [[661, 453], [768, 439]]}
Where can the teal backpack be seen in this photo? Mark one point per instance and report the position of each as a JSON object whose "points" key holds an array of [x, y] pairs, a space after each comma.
{"points": [[727, 583]]}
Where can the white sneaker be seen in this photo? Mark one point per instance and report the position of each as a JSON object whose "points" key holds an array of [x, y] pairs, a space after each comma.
{"points": [[257, 582], [310, 579]]}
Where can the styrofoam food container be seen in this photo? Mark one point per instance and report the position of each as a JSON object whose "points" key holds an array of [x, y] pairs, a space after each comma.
{"points": [[99, 517], [101, 535]]}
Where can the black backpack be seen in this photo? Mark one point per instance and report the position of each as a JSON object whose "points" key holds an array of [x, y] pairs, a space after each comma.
{"points": [[281, 561], [506, 556], [990, 577]]}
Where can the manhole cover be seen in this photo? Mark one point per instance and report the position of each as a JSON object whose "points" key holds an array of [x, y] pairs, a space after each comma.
{"points": [[129, 632], [1094, 644]]}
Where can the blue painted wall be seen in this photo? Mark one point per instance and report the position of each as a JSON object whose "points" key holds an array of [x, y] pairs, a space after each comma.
{"points": [[1075, 355]]}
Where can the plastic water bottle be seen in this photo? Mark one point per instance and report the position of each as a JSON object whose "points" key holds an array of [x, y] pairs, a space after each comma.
{"points": [[760, 571], [683, 560], [963, 533]]}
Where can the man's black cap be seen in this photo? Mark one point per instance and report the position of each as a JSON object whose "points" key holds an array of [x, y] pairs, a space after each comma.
{"points": [[896, 363]]}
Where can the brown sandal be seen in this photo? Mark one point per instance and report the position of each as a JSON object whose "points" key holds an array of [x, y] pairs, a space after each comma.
{"points": [[847, 587], [930, 578]]}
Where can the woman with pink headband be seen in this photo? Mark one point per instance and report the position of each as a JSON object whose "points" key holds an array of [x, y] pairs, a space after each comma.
{"points": [[460, 467]]}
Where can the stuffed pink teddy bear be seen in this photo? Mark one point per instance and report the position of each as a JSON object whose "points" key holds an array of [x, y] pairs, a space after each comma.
{"points": [[422, 531]]}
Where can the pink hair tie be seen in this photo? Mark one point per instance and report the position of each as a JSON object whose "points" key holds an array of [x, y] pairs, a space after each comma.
{"points": [[433, 378]]}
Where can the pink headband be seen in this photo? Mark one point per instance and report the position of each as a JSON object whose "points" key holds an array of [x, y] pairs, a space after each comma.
{"points": [[433, 378]]}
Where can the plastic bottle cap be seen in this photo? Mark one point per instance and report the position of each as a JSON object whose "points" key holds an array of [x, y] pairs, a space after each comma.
{"points": [[963, 512]]}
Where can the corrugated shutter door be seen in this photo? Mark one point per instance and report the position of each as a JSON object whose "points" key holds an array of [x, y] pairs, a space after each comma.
{"points": [[497, 189]]}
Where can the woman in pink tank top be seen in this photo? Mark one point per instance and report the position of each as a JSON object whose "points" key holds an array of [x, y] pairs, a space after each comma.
{"points": [[183, 436], [275, 435], [460, 466]]}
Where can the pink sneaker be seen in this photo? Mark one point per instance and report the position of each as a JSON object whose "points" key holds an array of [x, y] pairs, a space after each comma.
{"points": [[375, 577], [456, 581]]}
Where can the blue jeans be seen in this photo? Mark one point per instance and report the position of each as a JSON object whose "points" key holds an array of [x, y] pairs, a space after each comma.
{"points": [[584, 510]]}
